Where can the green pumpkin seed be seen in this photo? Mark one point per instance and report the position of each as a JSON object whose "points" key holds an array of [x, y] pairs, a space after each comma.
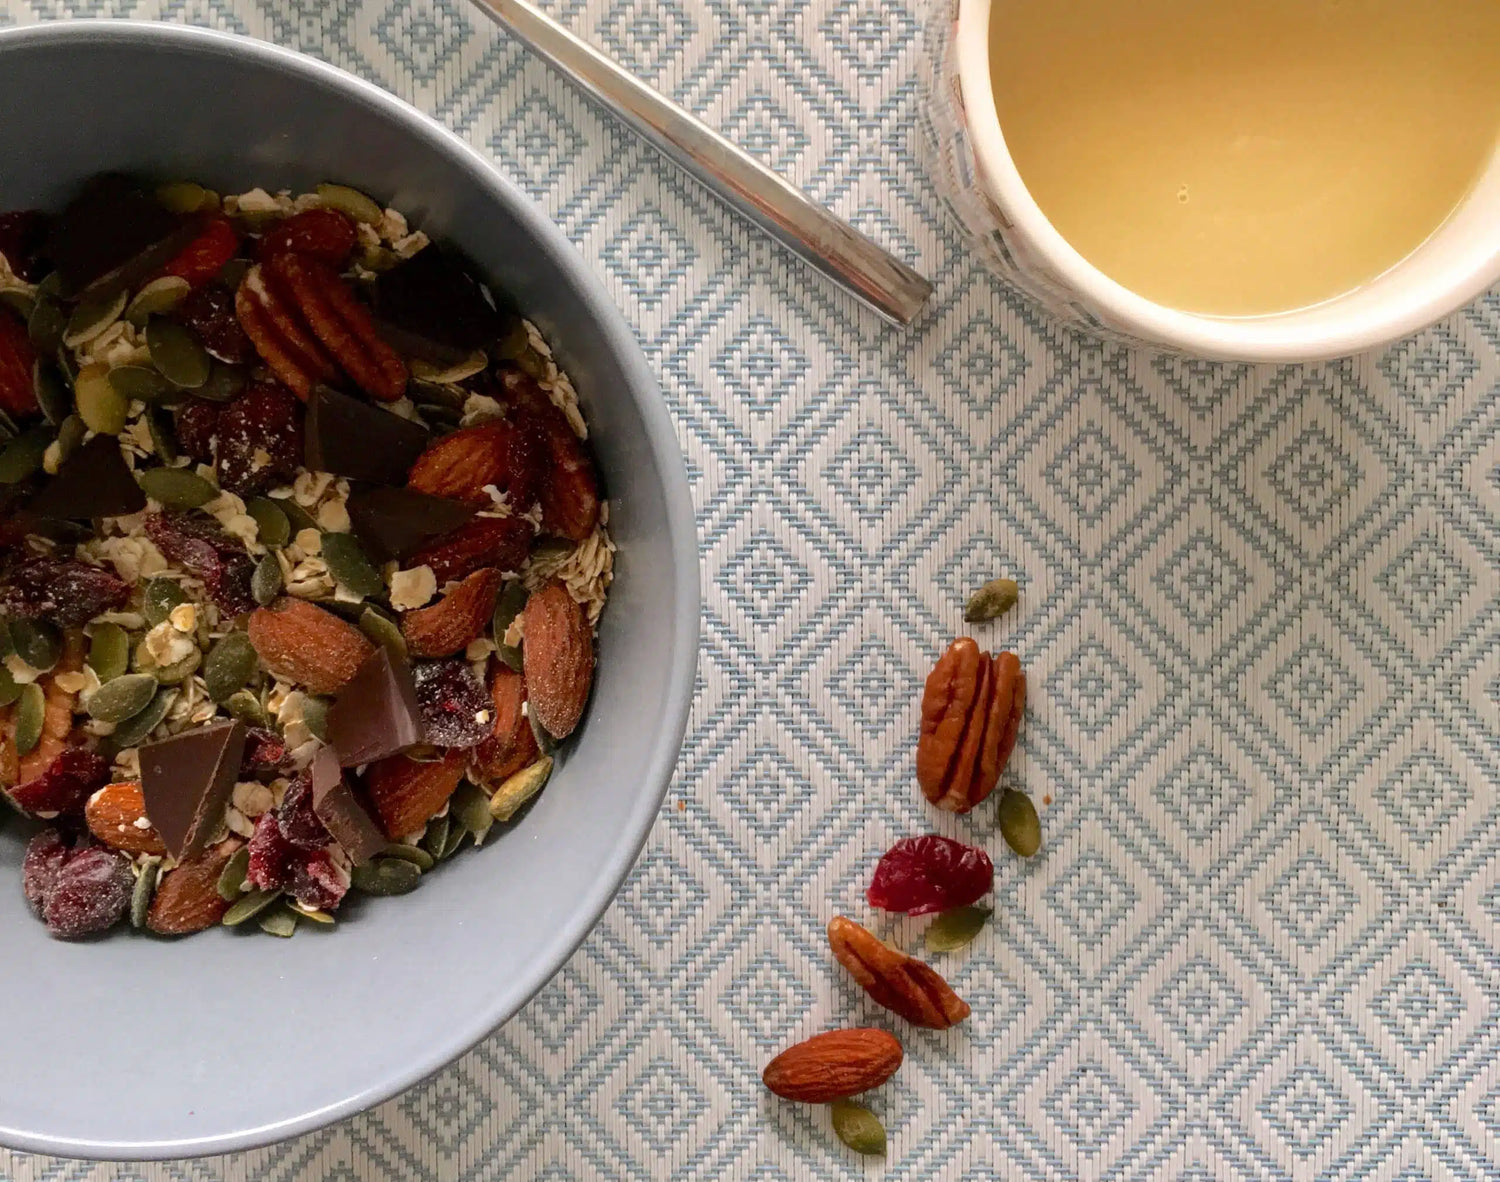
{"points": [[246, 707], [386, 876], [229, 665], [271, 525], [443, 375], [515, 340], [510, 657], [163, 438], [37, 643], [100, 405], [176, 488], [109, 651], [352, 202], [22, 303], [1019, 824], [384, 632], [508, 605], [139, 382], [9, 690], [427, 394], [159, 598], [157, 297], [92, 316], [8, 428], [456, 835], [297, 517], [133, 731], [414, 854], [248, 906], [51, 391], [46, 326], [122, 697], [520, 788], [265, 580], [182, 196], [348, 565], [470, 807], [954, 929], [436, 836], [858, 1128], [23, 455], [315, 717], [995, 598], [224, 383], [70, 436], [67, 364], [281, 922], [552, 548], [532, 364], [176, 352], [232, 877], [30, 711], [7, 645], [145, 888], [545, 743], [179, 671]]}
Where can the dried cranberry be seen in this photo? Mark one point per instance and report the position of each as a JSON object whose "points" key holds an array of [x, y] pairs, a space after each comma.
{"points": [[64, 788], [265, 751], [204, 257], [299, 824], [90, 892], [45, 855], [209, 312], [919, 875], [316, 881], [197, 425], [63, 591], [23, 234], [201, 548], [455, 709], [270, 856], [260, 439]]}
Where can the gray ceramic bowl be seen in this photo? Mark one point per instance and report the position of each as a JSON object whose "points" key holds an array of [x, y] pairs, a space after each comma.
{"points": [[137, 1047]]}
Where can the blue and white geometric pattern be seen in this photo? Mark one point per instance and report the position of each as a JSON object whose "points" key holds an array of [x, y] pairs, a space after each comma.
{"points": [[1260, 612]]}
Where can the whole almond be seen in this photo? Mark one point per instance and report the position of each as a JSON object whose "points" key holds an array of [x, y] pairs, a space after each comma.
{"points": [[901, 983], [187, 898], [557, 658], [512, 745], [406, 792], [448, 625], [834, 1065], [115, 814], [305, 643]]}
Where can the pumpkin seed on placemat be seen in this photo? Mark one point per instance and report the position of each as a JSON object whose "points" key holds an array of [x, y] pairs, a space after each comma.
{"points": [[139, 382], [229, 665], [271, 525], [31, 709], [109, 651], [232, 877], [954, 929], [858, 1128], [348, 565], [51, 391], [1019, 824], [386, 876], [176, 488], [159, 598], [122, 697], [93, 314], [132, 731], [159, 296], [265, 580], [471, 809], [248, 906], [352, 202], [145, 888], [37, 643], [100, 405], [176, 352], [22, 456]]}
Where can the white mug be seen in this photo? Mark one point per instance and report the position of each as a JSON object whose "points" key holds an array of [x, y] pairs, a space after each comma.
{"points": [[980, 182]]}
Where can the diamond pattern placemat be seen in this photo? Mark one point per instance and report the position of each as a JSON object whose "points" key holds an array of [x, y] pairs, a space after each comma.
{"points": [[1260, 612]]}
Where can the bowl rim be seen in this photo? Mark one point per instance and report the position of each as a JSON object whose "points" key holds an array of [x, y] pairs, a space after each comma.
{"points": [[681, 529], [1281, 337]]}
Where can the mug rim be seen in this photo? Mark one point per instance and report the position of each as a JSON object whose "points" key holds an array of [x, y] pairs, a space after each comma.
{"points": [[1283, 336]]}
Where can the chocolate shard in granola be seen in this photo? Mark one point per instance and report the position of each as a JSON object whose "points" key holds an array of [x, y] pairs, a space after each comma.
{"points": [[93, 482], [113, 236], [341, 812], [187, 780], [376, 714], [431, 307], [396, 522], [351, 438]]}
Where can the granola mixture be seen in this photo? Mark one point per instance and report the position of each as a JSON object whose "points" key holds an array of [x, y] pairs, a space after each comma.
{"points": [[301, 555]]}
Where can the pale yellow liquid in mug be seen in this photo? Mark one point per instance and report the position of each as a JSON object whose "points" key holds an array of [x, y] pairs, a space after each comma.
{"points": [[1242, 157]]}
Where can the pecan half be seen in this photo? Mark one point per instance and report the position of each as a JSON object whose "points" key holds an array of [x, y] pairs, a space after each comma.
{"points": [[900, 983], [971, 713], [308, 326]]}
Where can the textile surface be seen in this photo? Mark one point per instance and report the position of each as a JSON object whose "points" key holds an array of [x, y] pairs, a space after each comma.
{"points": [[1260, 614]]}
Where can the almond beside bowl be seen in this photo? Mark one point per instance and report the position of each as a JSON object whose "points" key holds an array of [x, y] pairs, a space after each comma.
{"points": [[149, 1048]]}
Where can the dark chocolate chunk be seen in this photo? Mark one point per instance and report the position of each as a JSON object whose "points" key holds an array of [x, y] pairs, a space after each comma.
{"points": [[376, 714], [112, 236], [93, 482], [340, 811], [432, 300], [395, 522], [187, 780], [352, 438]]}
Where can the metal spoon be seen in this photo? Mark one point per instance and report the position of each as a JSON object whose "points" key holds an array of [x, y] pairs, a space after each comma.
{"points": [[826, 242]]}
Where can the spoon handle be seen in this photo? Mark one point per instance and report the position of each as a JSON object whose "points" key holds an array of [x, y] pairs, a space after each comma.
{"points": [[821, 239]]}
